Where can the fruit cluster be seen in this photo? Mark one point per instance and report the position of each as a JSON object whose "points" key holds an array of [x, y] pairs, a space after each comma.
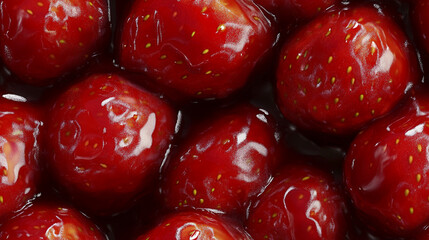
{"points": [[214, 119]]}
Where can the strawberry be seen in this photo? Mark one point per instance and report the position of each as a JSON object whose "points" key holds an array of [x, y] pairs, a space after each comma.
{"points": [[106, 140], [386, 170], [290, 10], [421, 21], [45, 39], [195, 226], [222, 163], [203, 49], [344, 69], [20, 135], [50, 221], [302, 202]]}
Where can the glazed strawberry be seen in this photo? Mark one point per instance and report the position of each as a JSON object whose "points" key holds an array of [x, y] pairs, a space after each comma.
{"points": [[50, 221], [20, 135], [344, 69], [223, 163], [195, 226], [289, 10], [45, 39], [421, 21], [386, 170], [106, 141], [302, 202], [203, 49]]}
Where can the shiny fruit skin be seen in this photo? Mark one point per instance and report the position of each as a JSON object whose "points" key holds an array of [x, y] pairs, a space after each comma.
{"points": [[107, 139], [343, 70], [198, 48]]}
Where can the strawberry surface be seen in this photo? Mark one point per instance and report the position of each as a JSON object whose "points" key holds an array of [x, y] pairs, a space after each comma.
{"points": [[289, 10], [344, 69], [302, 202], [195, 226], [223, 163], [20, 135], [106, 140], [386, 170], [203, 49], [48, 222], [45, 39]]}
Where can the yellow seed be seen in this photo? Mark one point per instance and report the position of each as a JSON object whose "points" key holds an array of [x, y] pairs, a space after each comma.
{"points": [[218, 177], [29, 12], [411, 210], [399, 217], [410, 159], [103, 165], [419, 147], [80, 44], [333, 80], [328, 33], [418, 177], [184, 77], [221, 27], [397, 141], [194, 192], [353, 81], [327, 106], [193, 34], [91, 17], [201, 201], [372, 111], [274, 215], [349, 69], [361, 97], [284, 57], [178, 62], [406, 192], [256, 18], [205, 51], [319, 80], [52, 56], [330, 59], [146, 17], [86, 143], [336, 100], [305, 178], [163, 57], [95, 145], [308, 228], [79, 29], [259, 220], [213, 190], [1, 199], [357, 114], [204, 9], [378, 99], [208, 72], [348, 37], [343, 120], [39, 4], [300, 196], [62, 41], [148, 45], [373, 50]]}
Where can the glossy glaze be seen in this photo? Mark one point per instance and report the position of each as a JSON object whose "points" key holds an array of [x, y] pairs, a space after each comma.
{"points": [[45, 39], [20, 135], [107, 139], [386, 170], [195, 226], [223, 163], [50, 222], [291, 10], [343, 70], [421, 21], [199, 48], [302, 202]]}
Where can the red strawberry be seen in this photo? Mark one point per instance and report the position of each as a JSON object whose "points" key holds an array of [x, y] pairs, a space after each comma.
{"points": [[387, 170], [289, 10], [302, 202], [195, 226], [20, 128], [107, 139], [223, 164], [421, 21], [203, 49], [343, 70], [44, 39], [50, 221]]}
